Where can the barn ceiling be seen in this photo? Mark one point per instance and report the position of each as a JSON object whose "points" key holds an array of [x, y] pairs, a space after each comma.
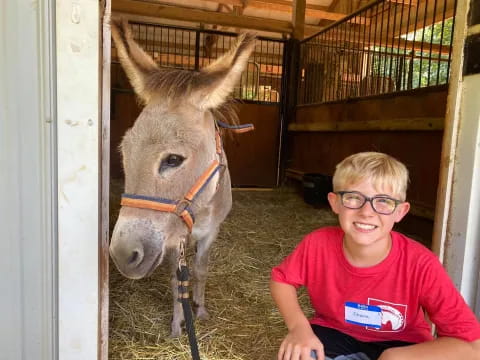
{"points": [[275, 18]]}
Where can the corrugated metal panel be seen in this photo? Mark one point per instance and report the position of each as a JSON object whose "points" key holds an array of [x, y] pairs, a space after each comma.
{"points": [[27, 230]]}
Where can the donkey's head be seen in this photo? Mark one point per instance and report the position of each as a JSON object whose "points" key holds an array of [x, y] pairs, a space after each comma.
{"points": [[170, 146]]}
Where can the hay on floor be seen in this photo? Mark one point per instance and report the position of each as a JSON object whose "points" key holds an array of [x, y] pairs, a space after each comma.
{"points": [[244, 323]]}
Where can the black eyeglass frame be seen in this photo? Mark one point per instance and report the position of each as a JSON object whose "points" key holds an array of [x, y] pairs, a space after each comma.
{"points": [[370, 200]]}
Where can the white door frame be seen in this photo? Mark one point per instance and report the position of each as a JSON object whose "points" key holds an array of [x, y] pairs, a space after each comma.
{"points": [[78, 134], [457, 222]]}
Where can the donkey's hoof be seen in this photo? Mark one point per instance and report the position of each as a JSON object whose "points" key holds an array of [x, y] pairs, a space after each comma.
{"points": [[176, 331], [175, 334], [202, 313]]}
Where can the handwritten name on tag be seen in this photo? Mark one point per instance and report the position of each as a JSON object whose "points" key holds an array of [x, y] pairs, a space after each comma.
{"points": [[363, 315]]}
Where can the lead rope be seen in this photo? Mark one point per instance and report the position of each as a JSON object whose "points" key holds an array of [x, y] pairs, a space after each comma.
{"points": [[182, 271], [183, 297]]}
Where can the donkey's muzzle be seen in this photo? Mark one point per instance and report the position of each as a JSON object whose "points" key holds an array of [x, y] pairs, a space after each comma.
{"points": [[135, 250]]}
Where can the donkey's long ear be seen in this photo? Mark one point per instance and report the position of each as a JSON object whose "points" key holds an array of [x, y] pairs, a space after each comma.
{"points": [[215, 82], [137, 63]]}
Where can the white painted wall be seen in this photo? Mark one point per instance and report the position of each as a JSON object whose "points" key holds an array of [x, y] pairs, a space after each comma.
{"points": [[27, 182], [78, 97]]}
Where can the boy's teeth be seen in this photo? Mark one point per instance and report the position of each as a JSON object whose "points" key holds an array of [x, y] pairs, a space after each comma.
{"points": [[365, 226]]}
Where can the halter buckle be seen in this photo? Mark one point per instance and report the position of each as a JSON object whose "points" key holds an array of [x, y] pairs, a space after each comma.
{"points": [[181, 206], [181, 252]]}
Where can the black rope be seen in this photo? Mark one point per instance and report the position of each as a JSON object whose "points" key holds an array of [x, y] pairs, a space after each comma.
{"points": [[183, 297]]}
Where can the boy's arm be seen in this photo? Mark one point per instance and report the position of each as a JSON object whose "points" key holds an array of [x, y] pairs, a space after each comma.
{"points": [[300, 339], [443, 348]]}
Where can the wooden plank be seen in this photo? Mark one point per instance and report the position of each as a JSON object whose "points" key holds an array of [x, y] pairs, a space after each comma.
{"points": [[154, 10], [103, 256], [294, 174], [412, 124], [405, 2], [314, 11]]}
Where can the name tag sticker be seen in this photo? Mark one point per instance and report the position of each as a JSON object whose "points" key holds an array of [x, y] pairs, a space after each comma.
{"points": [[363, 315]]}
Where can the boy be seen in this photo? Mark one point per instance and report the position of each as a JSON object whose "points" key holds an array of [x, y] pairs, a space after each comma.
{"points": [[370, 287]]}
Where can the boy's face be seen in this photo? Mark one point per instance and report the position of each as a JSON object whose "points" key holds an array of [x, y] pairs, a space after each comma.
{"points": [[364, 226]]}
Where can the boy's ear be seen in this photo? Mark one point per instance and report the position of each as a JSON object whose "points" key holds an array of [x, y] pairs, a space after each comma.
{"points": [[333, 201], [402, 210]]}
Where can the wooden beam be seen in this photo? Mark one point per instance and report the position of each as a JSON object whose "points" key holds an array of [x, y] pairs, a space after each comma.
{"points": [[405, 2], [314, 11], [154, 10], [298, 18], [410, 124]]}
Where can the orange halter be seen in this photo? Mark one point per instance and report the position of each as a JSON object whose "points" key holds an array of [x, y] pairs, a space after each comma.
{"points": [[182, 207]]}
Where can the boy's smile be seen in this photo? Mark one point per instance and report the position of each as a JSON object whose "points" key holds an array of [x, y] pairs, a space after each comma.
{"points": [[367, 233], [364, 227]]}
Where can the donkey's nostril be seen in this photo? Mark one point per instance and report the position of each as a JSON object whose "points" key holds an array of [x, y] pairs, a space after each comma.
{"points": [[134, 258]]}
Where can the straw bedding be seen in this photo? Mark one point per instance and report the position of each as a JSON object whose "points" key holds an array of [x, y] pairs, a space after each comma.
{"points": [[262, 228]]}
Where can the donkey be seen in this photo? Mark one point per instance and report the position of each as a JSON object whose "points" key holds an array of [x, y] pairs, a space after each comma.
{"points": [[173, 162]]}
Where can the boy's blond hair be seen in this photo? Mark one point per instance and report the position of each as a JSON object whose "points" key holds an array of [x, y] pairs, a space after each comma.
{"points": [[382, 170]]}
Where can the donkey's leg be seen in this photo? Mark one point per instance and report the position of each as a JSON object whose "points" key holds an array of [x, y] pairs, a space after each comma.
{"points": [[178, 317], [200, 269]]}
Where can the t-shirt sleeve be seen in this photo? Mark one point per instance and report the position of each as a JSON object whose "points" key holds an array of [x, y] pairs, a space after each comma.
{"points": [[445, 305], [292, 270]]}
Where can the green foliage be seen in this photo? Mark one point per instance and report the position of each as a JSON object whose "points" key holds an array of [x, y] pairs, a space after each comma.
{"points": [[418, 68], [440, 33]]}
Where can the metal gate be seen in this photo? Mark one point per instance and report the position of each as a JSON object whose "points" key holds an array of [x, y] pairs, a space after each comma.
{"points": [[259, 91]]}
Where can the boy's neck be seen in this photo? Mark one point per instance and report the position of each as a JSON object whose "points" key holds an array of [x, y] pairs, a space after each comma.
{"points": [[366, 256]]}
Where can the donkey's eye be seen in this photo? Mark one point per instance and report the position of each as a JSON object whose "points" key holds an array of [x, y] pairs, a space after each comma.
{"points": [[171, 161]]}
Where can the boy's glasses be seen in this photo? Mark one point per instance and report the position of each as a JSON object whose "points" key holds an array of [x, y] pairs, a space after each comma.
{"points": [[380, 203]]}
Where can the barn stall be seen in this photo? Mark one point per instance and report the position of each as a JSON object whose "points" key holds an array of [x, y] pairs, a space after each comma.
{"points": [[375, 81], [55, 154]]}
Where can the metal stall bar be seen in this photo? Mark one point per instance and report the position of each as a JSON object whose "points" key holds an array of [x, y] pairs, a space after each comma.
{"points": [[395, 53]]}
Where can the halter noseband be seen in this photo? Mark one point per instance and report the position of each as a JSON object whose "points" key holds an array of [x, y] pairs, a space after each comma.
{"points": [[182, 208]]}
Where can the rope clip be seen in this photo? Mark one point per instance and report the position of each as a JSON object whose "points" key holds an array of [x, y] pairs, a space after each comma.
{"points": [[181, 206]]}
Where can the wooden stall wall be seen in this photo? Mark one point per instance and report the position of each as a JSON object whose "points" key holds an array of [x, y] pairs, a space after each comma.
{"points": [[322, 135], [252, 156]]}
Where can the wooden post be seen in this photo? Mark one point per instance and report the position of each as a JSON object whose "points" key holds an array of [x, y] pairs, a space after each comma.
{"points": [[290, 81], [457, 229], [104, 236], [298, 19]]}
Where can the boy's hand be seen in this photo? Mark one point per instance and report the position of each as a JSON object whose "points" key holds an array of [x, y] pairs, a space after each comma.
{"points": [[299, 343]]}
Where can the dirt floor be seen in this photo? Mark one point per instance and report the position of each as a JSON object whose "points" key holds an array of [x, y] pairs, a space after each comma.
{"points": [[262, 228]]}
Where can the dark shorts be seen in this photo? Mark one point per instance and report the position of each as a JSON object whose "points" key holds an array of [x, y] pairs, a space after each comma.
{"points": [[337, 343]]}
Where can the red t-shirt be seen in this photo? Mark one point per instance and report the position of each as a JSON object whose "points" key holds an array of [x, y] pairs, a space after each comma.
{"points": [[409, 281]]}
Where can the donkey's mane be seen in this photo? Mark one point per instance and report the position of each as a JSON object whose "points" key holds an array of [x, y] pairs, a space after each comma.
{"points": [[172, 85], [175, 86], [226, 113]]}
